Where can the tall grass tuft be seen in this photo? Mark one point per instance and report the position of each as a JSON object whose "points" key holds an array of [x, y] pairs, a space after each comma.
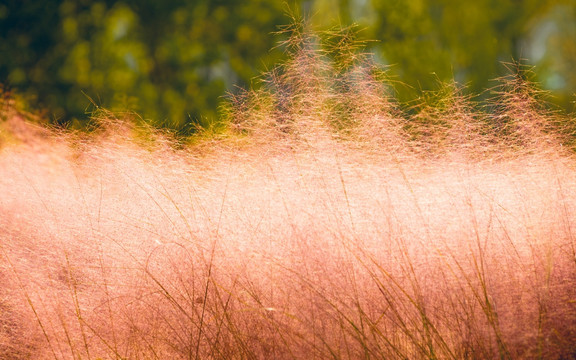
{"points": [[323, 220]]}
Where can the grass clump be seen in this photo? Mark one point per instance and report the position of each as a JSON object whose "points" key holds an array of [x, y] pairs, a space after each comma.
{"points": [[324, 221]]}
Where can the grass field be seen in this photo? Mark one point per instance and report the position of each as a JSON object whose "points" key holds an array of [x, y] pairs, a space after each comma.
{"points": [[319, 224]]}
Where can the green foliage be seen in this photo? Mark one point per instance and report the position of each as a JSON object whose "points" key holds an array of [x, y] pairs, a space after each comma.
{"points": [[172, 61], [168, 61], [427, 40]]}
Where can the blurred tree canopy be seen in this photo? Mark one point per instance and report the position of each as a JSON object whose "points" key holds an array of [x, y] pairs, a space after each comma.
{"points": [[431, 40], [167, 60], [171, 61]]}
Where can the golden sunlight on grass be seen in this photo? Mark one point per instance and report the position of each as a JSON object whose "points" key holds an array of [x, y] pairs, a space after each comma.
{"points": [[310, 249], [320, 221]]}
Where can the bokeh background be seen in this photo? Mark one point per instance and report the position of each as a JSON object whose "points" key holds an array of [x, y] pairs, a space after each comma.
{"points": [[173, 61]]}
